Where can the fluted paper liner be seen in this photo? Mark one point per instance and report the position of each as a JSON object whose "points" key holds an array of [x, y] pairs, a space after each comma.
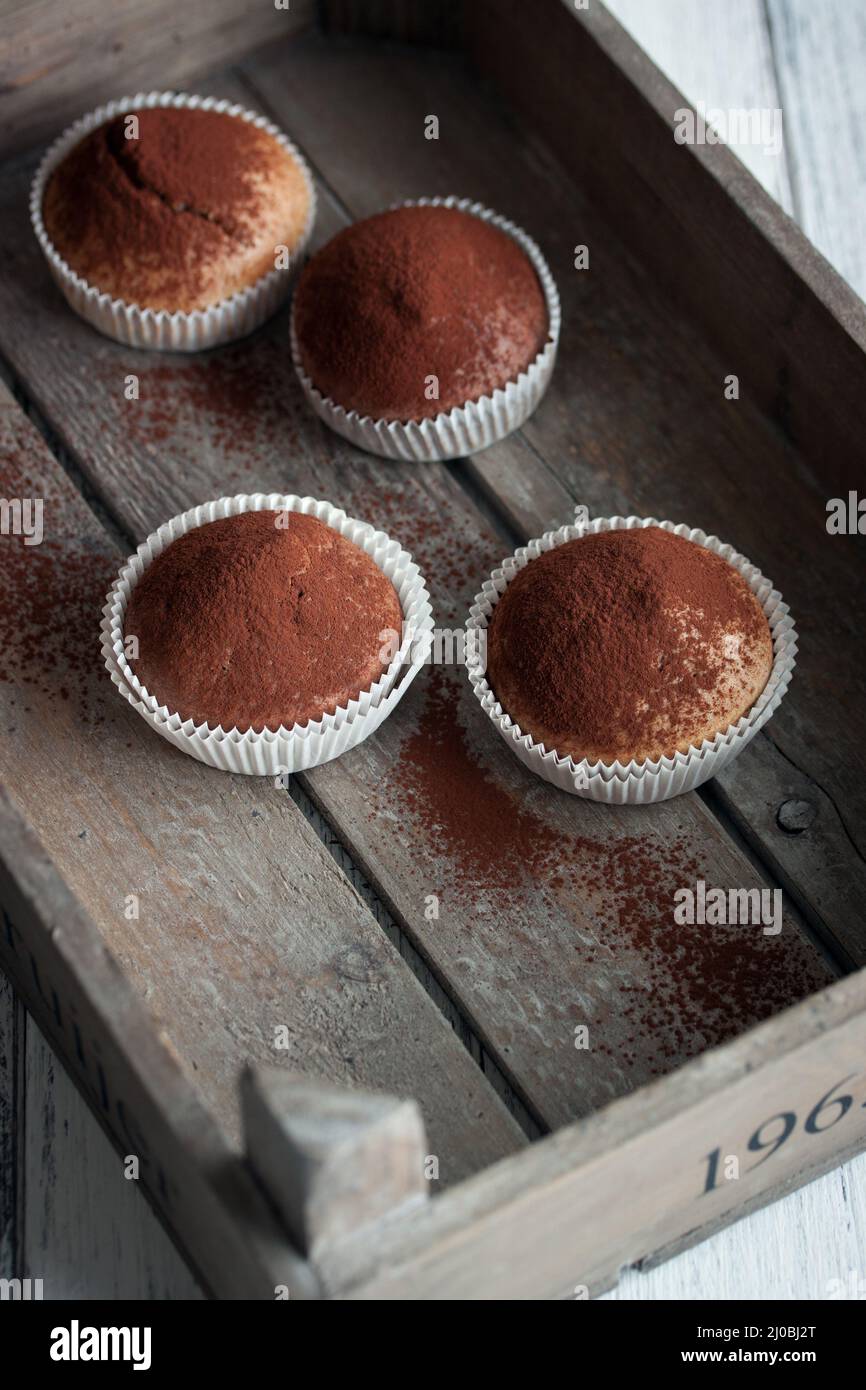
{"points": [[468, 428], [635, 783], [157, 328], [302, 746]]}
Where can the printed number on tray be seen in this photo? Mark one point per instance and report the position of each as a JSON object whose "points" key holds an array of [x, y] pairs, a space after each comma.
{"points": [[769, 1137]]}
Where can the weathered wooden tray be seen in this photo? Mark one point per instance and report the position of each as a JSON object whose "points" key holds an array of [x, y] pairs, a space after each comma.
{"points": [[172, 928]]}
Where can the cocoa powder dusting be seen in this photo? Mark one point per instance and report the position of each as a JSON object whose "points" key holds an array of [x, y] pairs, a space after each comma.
{"points": [[210, 185], [169, 201], [260, 620], [412, 294], [627, 644]]}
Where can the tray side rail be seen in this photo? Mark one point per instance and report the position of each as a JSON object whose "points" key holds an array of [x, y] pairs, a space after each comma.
{"points": [[648, 1176]]}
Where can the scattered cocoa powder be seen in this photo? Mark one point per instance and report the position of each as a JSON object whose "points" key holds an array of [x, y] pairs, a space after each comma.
{"points": [[414, 293], [627, 644], [498, 847], [250, 623], [237, 401], [51, 595]]}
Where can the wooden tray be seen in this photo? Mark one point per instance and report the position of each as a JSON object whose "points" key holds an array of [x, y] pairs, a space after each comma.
{"points": [[174, 929]]}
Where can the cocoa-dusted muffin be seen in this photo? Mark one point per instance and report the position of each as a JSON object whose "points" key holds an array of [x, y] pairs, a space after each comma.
{"points": [[416, 311], [182, 216], [260, 620], [627, 645]]}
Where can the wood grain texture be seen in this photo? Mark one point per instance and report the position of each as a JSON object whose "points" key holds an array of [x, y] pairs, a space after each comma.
{"points": [[550, 875], [54, 67], [446, 1004], [88, 1232], [245, 923]]}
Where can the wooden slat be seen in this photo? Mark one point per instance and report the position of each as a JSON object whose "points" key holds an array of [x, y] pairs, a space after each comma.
{"points": [[53, 67], [245, 922], [635, 420], [65, 1218], [552, 912]]}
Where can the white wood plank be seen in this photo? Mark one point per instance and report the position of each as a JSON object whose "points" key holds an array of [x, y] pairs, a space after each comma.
{"points": [[88, 1231], [820, 55], [718, 54]]}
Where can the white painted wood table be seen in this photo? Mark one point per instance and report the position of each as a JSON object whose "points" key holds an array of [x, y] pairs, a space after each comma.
{"points": [[89, 1236]]}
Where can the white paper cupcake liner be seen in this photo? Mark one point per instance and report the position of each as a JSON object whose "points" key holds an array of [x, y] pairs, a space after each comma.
{"points": [[282, 751], [157, 328], [635, 783], [465, 429]]}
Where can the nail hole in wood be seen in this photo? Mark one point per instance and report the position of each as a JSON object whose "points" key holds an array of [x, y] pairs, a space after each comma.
{"points": [[795, 816]]}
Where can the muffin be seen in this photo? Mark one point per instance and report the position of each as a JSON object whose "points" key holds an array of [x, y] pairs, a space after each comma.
{"points": [[627, 645], [417, 311], [260, 620], [180, 218]]}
